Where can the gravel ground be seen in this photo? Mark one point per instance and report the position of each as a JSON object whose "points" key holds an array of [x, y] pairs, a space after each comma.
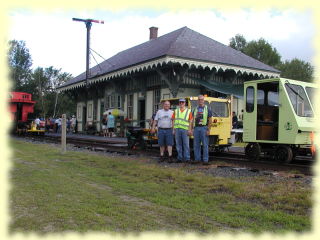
{"points": [[214, 169]]}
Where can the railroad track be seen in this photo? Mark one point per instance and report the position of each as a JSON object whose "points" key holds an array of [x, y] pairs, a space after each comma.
{"points": [[302, 164]]}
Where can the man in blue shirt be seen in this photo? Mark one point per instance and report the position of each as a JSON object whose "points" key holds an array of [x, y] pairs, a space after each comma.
{"points": [[201, 130]]}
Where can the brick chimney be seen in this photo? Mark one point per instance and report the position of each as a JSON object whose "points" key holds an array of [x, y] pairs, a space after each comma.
{"points": [[153, 33]]}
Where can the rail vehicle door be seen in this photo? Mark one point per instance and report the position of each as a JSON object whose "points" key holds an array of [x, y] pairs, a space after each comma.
{"points": [[267, 123], [18, 113], [250, 113]]}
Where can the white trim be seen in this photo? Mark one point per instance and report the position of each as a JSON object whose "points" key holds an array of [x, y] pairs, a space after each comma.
{"points": [[165, 60]]}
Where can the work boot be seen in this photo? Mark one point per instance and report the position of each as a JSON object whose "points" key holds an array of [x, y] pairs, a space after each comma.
{"points": [[161, 159], [170, 159]]}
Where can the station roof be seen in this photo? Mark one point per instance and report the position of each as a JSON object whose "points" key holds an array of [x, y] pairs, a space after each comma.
{"points": [[183, 46]]}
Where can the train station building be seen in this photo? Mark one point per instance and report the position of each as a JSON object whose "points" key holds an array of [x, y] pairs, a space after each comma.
{"points": [[178, 64]]}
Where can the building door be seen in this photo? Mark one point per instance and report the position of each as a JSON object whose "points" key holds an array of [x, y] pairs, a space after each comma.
{"points": [[84, 118], [142, 112]]}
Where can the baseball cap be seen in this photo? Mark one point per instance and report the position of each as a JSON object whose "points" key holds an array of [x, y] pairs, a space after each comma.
{"points": [[182, 100]]}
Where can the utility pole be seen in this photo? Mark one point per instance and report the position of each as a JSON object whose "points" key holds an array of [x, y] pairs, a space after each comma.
{"points": [[88, 23]]}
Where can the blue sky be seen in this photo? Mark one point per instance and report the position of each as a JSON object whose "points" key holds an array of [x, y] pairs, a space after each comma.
{"points": [[55, 40]]}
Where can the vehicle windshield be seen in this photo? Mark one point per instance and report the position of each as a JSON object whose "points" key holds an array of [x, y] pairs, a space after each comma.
{"points": [[194, 103], [219, 109], [299, 100], [311, 91]]}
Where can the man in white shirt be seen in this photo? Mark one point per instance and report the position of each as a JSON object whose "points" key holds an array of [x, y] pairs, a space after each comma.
{"points": [[163, 120], [73, 123], [37, 122]]}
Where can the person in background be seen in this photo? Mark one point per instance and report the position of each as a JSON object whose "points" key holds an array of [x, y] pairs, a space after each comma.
{"points": [[241, 115], [37, 122], [110, 124], [68, 124], [234, 120], [48, 124], [56, 124], [59, 123], [104, 123], [73, 123], [182, 125], [163, 120], [202, 120], [152, 120]]}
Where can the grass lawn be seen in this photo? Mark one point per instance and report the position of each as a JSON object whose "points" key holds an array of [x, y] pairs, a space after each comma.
{"points": [[81, 191]]}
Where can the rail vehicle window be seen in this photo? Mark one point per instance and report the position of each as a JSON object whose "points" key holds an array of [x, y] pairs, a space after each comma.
{"points": [[174, 104], [311, 91], [260, 97], [249, 99], [299, 100], [273, 98], [219, 109], [194, 103]]}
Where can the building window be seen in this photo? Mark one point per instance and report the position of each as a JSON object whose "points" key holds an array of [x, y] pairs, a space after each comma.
{"points": [[112, 101], [107, 102], [156, 99], [90, 110], [79, 112], [94, 111], [166, 96], [130, 106]]}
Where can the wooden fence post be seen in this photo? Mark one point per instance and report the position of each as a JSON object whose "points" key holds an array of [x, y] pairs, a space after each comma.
{"points": [[63, 134]]}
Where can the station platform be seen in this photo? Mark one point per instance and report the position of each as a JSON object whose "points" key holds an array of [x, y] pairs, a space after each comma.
{"points": [[122, 140], [93, 137]]}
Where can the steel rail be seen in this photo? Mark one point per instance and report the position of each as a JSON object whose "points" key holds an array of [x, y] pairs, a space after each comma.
{"points": [[238, 158]]}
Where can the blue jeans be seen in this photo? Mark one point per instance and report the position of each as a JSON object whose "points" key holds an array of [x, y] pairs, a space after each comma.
{"points": [[200, 136], [182, 144]]}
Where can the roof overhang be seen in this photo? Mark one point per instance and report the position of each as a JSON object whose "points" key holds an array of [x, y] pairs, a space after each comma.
{"points": [[163, 61]]}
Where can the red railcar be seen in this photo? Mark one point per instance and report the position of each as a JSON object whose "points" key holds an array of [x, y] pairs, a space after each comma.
{"points": [[20, 105]]}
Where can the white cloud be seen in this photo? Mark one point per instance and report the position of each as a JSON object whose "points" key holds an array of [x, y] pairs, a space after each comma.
{"points": [[54, 39]]}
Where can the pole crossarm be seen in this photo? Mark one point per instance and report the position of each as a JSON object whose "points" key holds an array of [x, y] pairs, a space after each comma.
{"points": [[87, 20]]}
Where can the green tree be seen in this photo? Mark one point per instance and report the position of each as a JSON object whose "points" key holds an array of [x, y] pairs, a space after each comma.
{"points": [[20, 62], [260, 49], [297, 69], [238, 42], [263, 51], [44, 82], [66, 103]]}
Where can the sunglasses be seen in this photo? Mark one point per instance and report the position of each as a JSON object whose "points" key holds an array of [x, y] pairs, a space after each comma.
{"points": [[182, 102]]}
